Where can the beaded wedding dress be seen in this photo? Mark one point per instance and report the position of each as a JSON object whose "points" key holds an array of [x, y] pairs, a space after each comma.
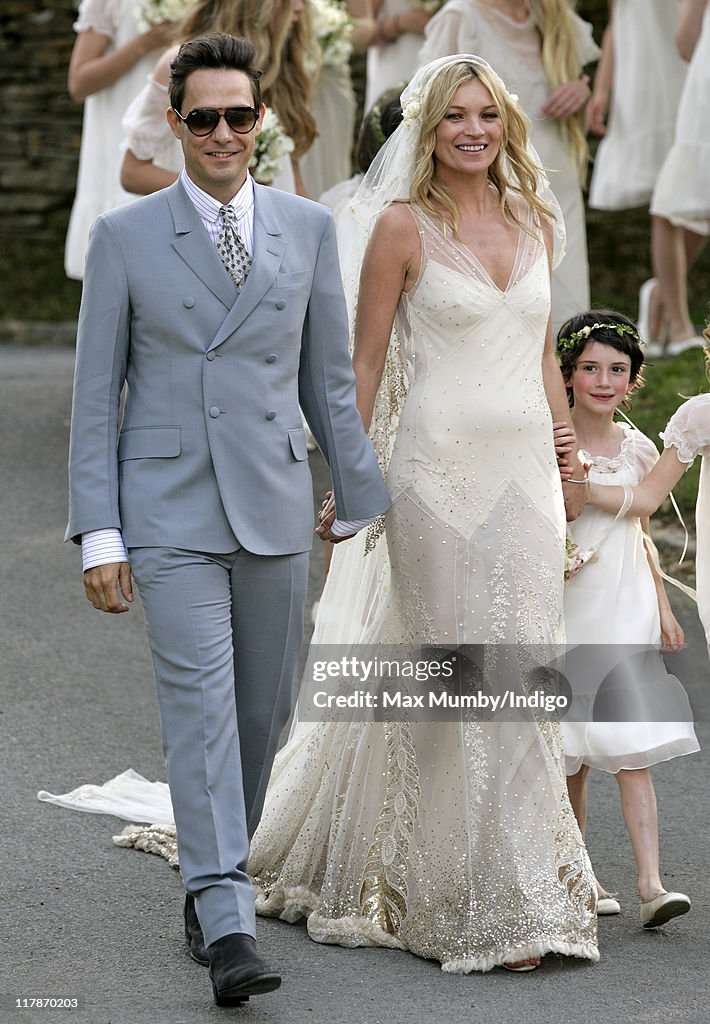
{"points": [[454, 840]]}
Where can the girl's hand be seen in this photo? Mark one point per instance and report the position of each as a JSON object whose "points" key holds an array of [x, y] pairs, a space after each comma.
{"points": [[596, 112], [567, 99], [672, 635], [565, 440], [159, 37]]}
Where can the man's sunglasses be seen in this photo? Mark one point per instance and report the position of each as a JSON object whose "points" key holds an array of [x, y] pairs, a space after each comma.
{"points": [[203, 120]]}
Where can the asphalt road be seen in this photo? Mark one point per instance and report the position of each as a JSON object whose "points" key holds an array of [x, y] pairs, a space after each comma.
{"points": [[83, 919]]}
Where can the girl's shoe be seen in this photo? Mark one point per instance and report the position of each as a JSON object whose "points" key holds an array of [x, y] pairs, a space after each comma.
{"points": [[674, 348], [608, 905], [663, 908]]}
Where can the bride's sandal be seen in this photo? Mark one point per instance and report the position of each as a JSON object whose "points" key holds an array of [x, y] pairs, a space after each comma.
{"points": [[521, 966]]}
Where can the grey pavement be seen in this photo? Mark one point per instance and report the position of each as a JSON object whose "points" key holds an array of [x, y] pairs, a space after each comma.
{"points": [[82, 918]]}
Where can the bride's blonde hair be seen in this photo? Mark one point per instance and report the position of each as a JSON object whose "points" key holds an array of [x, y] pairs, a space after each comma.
{"points": [[512, 171], [553, 20]]}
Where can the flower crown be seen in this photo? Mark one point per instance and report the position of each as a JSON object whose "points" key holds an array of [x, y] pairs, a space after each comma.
{"points": [[567, 344]]}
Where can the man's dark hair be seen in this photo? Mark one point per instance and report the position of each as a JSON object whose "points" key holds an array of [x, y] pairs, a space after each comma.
{"points": [[217, 51]]}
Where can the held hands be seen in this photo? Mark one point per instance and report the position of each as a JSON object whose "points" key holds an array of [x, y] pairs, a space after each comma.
{"points": [[326, 518], [565, 441], [105, 585], [573, 473], [567, 98]]}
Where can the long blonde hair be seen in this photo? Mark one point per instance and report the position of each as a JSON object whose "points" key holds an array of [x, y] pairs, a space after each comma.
{"points": [[280, 49], [553, 20], [512, 170]]}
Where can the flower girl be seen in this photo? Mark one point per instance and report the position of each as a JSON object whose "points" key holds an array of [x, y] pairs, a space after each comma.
{"points": [[615, 596]]}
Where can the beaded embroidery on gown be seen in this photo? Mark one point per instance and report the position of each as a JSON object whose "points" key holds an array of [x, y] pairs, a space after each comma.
{"points": [[454, 840]]}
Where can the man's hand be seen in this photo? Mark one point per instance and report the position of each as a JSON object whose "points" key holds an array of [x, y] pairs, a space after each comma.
{"points": [[105, 585], [326, 518]]}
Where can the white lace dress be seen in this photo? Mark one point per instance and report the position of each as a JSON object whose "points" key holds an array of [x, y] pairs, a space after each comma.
{"points": [[612, 603], [454, 840], [98, 188], [391, 64], [329, 160], [648, 80], [513, 51], [682, 192]]}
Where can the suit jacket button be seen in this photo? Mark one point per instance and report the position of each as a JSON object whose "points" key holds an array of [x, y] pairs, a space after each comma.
{"points": [[188, 302], [214, 411], [271, 415], [210, 356], [271, 359], [281, 304]]}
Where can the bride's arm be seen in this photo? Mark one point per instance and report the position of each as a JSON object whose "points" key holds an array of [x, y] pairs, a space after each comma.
{"points": [[650, 492], [390, 266], [556, 393]]}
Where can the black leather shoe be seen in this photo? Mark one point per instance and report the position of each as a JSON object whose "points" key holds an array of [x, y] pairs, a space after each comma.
{"points": [[193, 933], [237, 971]]}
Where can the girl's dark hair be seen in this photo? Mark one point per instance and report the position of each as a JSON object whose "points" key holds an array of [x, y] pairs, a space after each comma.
{"points": [[378, 124], [608, 327]]}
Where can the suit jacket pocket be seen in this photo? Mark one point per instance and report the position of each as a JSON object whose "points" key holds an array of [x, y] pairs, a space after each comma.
{"points": [[297, 440], [294, 279], [149, 443]]}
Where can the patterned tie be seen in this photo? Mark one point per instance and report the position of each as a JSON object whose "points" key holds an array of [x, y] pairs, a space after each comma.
{"points": [[231, 249]]}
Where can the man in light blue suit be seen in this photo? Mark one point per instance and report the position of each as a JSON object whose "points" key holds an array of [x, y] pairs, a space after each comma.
{"points": [[202, 491]]}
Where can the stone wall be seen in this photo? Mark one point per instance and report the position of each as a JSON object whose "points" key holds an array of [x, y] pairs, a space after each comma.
{"points": [[41, 124]]}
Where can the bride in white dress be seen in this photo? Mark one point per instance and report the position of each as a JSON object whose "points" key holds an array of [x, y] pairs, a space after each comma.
{"points": [[539, 48], [454, 840]]}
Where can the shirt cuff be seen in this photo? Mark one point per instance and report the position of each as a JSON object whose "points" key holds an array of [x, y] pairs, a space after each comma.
{"points": [[346, 527], [100, 547]]}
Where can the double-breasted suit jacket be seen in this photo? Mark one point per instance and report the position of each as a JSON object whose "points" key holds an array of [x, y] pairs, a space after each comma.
{"points": [[210, 449]]}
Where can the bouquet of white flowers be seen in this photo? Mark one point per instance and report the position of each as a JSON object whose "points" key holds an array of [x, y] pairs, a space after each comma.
{"points": [[272, 145], [152, 12], [333, 27]]}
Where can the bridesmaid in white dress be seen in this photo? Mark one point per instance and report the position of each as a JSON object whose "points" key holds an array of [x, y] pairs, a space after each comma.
{"points": [[153, 159], [108, 66], [638, 83], [681, 199], [686, 436], [618, 603], [539, 48], [393, 57], [329, 160], [452, 839]]}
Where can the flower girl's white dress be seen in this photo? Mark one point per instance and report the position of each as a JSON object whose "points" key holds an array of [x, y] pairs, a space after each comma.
{"points": [[612, 603]]}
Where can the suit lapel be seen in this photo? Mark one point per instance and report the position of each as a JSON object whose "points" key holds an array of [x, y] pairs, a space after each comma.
{"points": [[194, 246], [269, 248]]}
